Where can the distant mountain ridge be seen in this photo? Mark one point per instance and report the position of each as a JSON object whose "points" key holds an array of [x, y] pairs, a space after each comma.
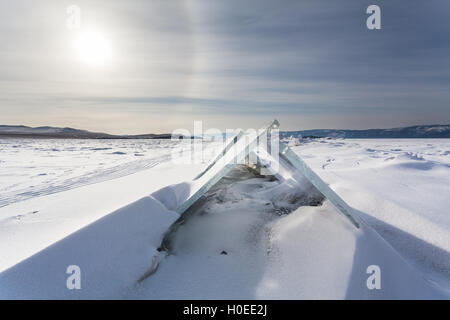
{"points": [[423, 131], [68, 133]]}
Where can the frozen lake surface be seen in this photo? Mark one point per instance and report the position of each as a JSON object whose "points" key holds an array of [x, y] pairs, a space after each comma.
{"points": [[35, 167], [89, 200]]}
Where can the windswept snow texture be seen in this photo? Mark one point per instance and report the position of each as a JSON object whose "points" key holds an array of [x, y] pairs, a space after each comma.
{"points": [[108, 210], [31, 168], [399, 187]]}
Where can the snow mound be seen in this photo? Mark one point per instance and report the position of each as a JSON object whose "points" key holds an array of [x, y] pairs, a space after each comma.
{"points": [[113, 253]]}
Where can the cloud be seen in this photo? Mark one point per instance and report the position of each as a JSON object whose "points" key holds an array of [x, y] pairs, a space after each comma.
{"points": [[226, 61]]}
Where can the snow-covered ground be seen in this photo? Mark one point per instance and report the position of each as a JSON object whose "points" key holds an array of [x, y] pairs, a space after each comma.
{"points": [[31, 168], [96, 204], [51, 188], [400, 187]]}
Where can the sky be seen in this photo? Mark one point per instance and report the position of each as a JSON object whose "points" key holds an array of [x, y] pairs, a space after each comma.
{"points": [[163, 64]]}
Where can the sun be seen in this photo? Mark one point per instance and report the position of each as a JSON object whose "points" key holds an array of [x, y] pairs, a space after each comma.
{"points": [[93, 48]]}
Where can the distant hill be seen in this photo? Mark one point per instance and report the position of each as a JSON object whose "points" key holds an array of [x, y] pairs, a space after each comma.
{"points": [[68, 133], [428, 131]]}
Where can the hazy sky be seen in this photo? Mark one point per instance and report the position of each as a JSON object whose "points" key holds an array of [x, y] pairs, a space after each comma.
{"points": [[230, 63]]}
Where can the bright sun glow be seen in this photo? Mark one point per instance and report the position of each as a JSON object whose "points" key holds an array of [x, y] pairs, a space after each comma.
{"points": [[93, 48]]}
